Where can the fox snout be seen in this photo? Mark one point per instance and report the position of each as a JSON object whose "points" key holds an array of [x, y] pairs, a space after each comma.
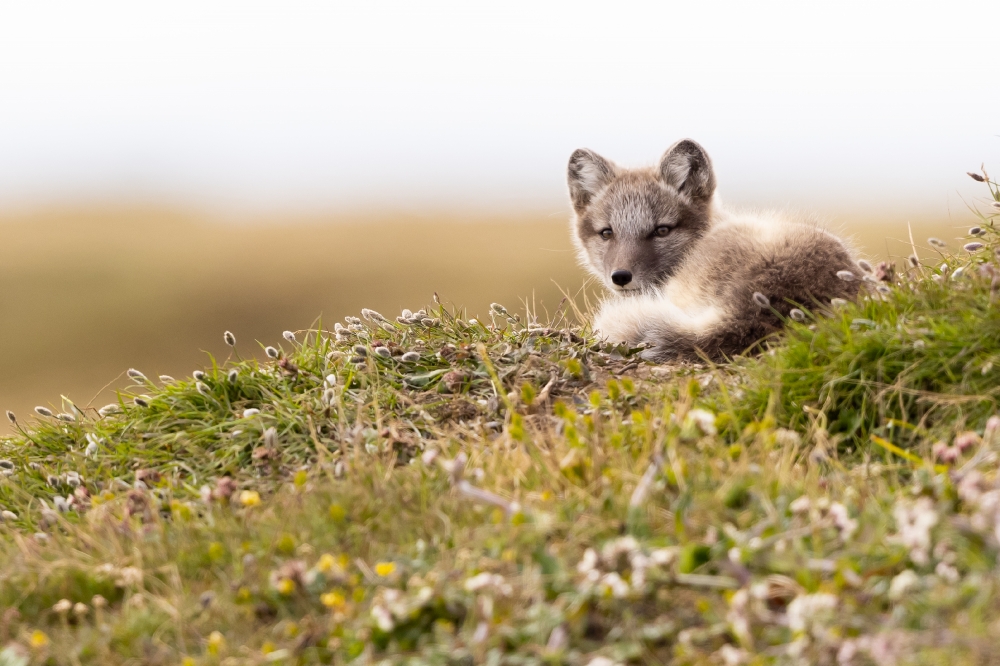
{"points": [[621, 277]]}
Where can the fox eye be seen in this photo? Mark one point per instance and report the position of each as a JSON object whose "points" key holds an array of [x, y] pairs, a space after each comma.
{"points": [[661, 231], [606, 234]]}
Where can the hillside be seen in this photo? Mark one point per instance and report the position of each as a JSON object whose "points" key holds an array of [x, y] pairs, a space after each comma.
{"points": [[429, 488]]}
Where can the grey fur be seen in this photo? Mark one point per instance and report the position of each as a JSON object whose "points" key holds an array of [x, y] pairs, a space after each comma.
{"points": [[700, 274]]}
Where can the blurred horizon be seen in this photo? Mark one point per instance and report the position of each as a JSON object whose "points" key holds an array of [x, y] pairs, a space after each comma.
{"points": [[845, 109]]}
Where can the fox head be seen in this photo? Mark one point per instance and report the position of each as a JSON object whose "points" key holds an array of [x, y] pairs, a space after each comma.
{"points": [[634, 226]]}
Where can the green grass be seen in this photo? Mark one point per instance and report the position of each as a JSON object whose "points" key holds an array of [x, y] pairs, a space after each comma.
{"points": [[521, 494]]}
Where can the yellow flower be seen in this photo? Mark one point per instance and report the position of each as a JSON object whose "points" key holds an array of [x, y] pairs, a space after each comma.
{"points": [[38, 639], [332, 599], [385, 568], [300, 478], [249, 498], [286, 586], [268, 647], [337, 513], [326, 563], [187, 661], [216, 642]]}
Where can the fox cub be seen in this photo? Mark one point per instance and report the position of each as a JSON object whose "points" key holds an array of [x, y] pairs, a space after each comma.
{"points": [[686, 276]]}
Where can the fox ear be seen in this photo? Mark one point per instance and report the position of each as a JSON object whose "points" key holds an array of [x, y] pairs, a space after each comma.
{"points": [[686, 167], [588, 174]]}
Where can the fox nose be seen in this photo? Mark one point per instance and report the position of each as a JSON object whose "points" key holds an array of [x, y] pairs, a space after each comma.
{"points": [[621, 277]]}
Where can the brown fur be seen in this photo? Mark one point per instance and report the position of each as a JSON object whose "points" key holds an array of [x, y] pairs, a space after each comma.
{"points": [[695, 267]]}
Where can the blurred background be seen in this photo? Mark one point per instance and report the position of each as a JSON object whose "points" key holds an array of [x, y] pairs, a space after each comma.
{"points": [[171, 171]]}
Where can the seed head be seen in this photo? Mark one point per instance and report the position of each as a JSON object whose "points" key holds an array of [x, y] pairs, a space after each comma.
{"points": [[288, 335], [883, 289], [113, 408], [141, 402], [913, 260], [864, 265], [229, 338], [498, 309], [247, 413], [271, 352], [371, 315], [797, 315], [937, 242], [837, 302], [136, 375], [972, 247], [975, 231], [329, 396], [8, 515], [996, 204], [270, 437], [383, 352], [233, 375], [68, 418], [203, 388], [63, 606], [360, 350], [353, 321], [11, 417], [331, 380], [91, 450], [166, 379], [410, 357], [846, 276], [406, 314], [198, 375], [43, 411], [761, 300], [976, 177]]}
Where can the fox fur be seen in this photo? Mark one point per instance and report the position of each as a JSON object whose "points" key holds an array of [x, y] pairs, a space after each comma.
{"points": [[686, 276]]}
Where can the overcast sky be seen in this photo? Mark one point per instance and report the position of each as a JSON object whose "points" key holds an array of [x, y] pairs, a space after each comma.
{"points": [[835, 106]]}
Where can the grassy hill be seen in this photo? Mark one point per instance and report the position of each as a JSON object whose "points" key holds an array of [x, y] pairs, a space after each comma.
{"points": [[435, 489]]}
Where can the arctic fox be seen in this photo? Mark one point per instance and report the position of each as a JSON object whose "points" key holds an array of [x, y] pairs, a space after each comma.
{"points": [[686, 276]]}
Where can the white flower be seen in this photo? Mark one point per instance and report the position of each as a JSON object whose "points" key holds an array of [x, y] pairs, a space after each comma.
{"points": [[903, 583], [800, 504], [809, 610], [843, 521], [488, 581], [613, 582], [946, 572], [383, 618], [589, 561], [618, 547], [602, 661], [663, 557], [914, 521], [703, 419], [732, 656]]}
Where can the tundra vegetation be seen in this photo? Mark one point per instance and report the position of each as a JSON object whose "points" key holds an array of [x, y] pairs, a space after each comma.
{"points": [[433, 489]]}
